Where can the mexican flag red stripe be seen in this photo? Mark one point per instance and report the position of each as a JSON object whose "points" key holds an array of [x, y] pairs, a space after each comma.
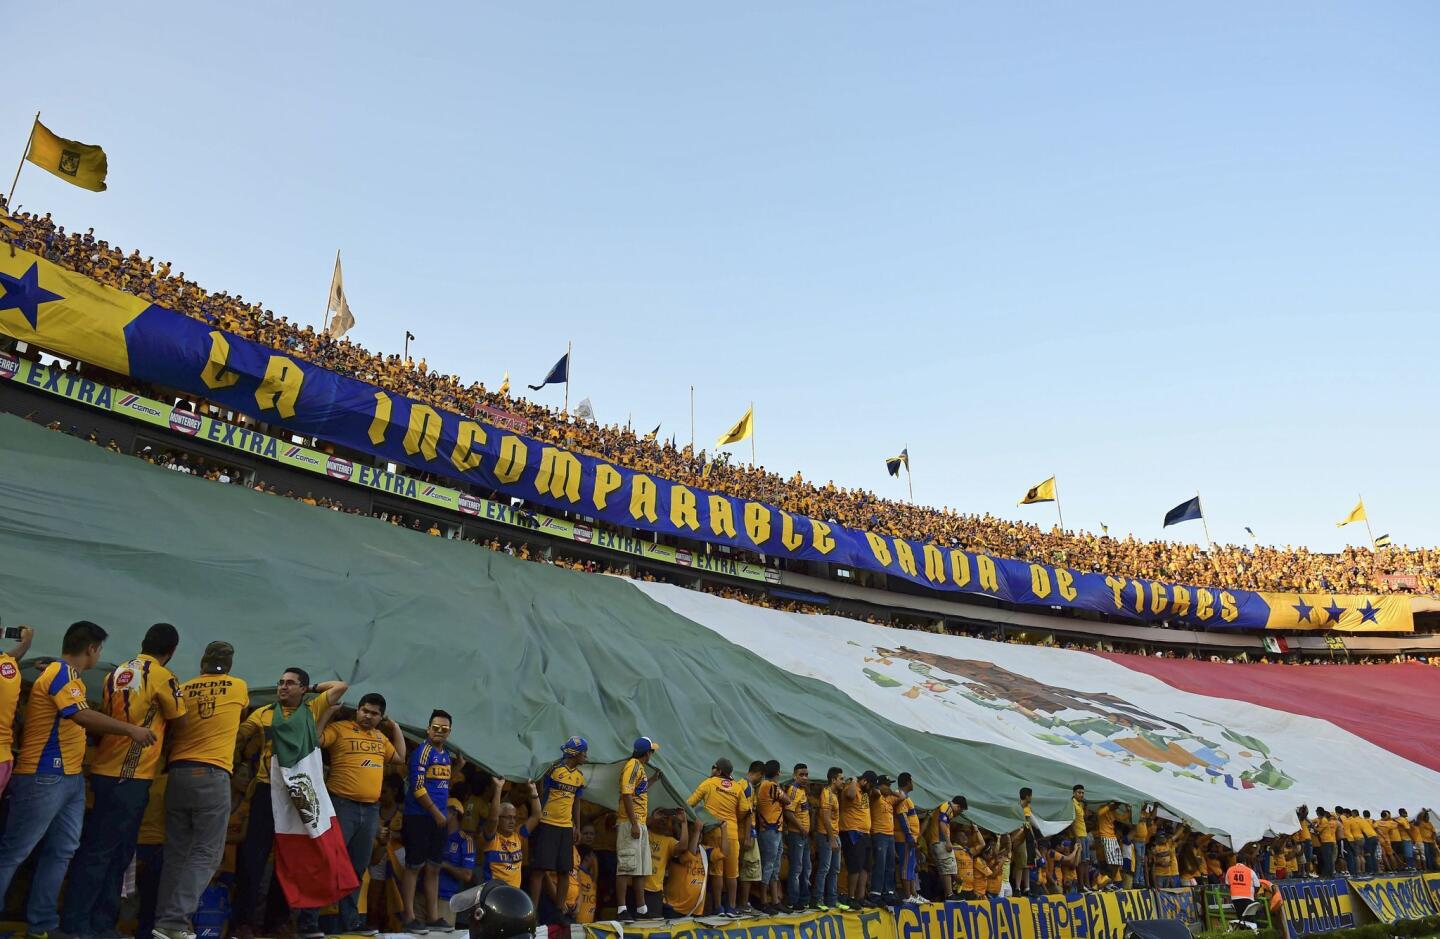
{"points": [[310, 857]]}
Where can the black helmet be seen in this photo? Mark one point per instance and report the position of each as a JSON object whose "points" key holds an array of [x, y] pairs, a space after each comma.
{"points": [[497, 910]]}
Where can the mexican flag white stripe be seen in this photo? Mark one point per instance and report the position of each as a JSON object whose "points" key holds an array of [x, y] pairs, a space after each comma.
{"points": [[310, 857]]}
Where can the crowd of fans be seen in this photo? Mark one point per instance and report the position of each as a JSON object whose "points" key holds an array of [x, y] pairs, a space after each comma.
{"points": [[1254, 567], [179, 786]]}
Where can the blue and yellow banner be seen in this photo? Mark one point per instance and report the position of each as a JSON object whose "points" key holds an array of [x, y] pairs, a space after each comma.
{"points": [[76, 317], [1089, 916], [1315, 906], [1392, 899]]}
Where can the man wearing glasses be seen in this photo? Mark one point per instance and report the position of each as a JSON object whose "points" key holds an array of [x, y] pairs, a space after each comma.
{"points": [[424, 829], [254, 851]]}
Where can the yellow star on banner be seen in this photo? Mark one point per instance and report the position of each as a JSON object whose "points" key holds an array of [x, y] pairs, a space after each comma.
{"points": [[66, 313]]}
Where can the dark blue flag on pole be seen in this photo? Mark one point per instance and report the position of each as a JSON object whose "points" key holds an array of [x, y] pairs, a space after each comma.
{"points": [[558, 375], [1187, 511]]}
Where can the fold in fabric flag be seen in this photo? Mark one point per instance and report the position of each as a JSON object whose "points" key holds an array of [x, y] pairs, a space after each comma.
{"points": [[1382, 541], [311, 860], [1251, 532], [1187, 511], [342, 320], [505, 384], [1357, 514], [79, 164], [1276, 644], [741, 430], [585, 411], [559, 374], [654, 433], [894, 463], [1042, 492]]}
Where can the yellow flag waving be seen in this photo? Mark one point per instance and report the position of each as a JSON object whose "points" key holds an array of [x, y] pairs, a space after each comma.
{"points": [[80, 164], [1042, 492], [741, 431], [505, 383], [1357, 514]]}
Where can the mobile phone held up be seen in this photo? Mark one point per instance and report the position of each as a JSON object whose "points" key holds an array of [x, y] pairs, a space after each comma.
{"points": [[10, 633]]}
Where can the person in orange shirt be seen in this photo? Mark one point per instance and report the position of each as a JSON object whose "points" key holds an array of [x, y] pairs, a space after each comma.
{"points": [[198, 795], [503, 851], [882, 840], [1327, 828], [142, 692], [770, 805], [358, 750], [47, 792], [855, 835], [9, 700], [797, 838], [724, 798]]}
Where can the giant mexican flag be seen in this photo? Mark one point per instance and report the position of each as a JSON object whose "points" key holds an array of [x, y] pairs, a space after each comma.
{"points": [[525, 655]]}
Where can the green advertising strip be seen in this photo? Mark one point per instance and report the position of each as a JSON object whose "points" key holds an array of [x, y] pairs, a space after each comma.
{"points": [[74, 387]]}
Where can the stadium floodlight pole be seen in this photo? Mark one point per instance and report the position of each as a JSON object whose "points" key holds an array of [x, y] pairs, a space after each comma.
{"points": [[10, 199]]}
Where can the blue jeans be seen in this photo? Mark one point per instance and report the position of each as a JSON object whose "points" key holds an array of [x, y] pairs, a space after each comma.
{"points": [[1407, 849], [1372, 855], [882, 867], [1139, 876], [359, 823], [48, 811], [97, 875], [769, 855], [826, 887], [797, 885]]}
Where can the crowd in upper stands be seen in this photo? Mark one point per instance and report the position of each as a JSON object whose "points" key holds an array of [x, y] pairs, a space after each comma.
{"points": [[1254, 567]]}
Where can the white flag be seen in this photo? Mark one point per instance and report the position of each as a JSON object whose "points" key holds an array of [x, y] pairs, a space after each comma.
{"points": [[341, 320], [584, 411]]}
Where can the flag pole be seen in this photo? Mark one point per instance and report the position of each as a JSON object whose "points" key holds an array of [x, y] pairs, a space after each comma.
{"points": [[1368, 530], [325, 323], [569, 362], [752, 433], [909, 478], [1203, 521], [692, 420], [1060, 514], [10, 199]]}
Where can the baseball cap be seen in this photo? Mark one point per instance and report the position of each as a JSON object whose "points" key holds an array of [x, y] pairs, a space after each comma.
{"points": [[575, 746], [219, 656], [645, 745], [884, 781], [724, 765]]}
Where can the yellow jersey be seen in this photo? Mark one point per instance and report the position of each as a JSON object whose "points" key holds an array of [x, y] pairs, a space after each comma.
{"points": [[635, 784], [661, 847], [1078, 808], [723, 798], [144, 693], [53, 745], [1367, 827], [855, 813], [937, 825], [9, 700], [1105, 822], [907, 820], [882, 815], [828, 800], [259, 723], [587, 898], [502, 858], [558, 792], [799, 797], [964, 869], [214, 705], [685, 882], [767, 804], [1326, 827], [357, 761]]}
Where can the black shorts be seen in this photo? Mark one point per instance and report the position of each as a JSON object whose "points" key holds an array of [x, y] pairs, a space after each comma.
{"points": [[424, 841], [856, 845], [552, 848]]}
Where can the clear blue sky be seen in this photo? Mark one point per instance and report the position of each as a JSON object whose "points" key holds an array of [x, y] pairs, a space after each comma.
{"points": [[1151, 249]]}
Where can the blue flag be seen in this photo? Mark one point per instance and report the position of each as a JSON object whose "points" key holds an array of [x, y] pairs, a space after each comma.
{"points": [[893, 464], [558, 375], [1187, 511]]}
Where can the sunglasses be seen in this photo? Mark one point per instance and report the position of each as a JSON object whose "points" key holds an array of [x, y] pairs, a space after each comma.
{"points": [[437, 729]]}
